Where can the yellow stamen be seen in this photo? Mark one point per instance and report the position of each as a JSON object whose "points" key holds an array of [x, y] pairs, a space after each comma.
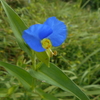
{"points": [[46, 43]]}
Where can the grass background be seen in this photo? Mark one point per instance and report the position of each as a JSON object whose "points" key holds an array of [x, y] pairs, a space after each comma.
{"points": [[78, 56]]}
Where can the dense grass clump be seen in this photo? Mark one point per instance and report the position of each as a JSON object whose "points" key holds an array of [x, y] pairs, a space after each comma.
{"points": [[78, 57]]}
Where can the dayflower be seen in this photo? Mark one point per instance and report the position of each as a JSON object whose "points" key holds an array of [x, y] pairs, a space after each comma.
{"points": [[40, 37]]}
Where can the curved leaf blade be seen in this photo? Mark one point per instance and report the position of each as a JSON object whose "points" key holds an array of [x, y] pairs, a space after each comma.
{"points": [[53, 75], [17, 25], [25, 78]]}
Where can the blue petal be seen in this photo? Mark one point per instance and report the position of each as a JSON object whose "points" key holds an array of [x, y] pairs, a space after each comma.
{"points": [[34, 34], [34, 30], [59, 31], [39, 31], [45, 31], [33, 42]]}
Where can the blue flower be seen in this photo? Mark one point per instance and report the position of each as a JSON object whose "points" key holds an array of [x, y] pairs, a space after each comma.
{"points": [[40, 37]]}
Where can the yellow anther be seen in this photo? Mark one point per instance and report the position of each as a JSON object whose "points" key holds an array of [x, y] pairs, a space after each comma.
{"points": [[46, 43]]}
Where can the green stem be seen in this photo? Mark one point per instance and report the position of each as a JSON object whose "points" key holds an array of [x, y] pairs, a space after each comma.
{"points": [[33, 58]]}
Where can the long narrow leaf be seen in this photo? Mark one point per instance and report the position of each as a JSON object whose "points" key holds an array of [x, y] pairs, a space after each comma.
{"points": [[25, 78], [64, 94], [17, 25], [55, 76]]}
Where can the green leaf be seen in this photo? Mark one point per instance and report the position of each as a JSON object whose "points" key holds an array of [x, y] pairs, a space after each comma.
{"points": [[42, 56], [17, 25], [25, 78], [53, 75], [44, 95], [64, 94]]}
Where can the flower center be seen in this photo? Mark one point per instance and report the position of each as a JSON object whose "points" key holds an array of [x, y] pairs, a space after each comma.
{"points": [[46, 43]]}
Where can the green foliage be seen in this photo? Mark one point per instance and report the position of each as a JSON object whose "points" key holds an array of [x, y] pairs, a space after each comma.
{"points": [[93, 4], [78, 57], [21, 74], [18, 27], [17, 3], [55, 76], [90, 4]]}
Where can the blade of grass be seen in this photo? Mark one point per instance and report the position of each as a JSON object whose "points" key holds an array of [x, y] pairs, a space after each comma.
{"points": [[53, 75]]}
